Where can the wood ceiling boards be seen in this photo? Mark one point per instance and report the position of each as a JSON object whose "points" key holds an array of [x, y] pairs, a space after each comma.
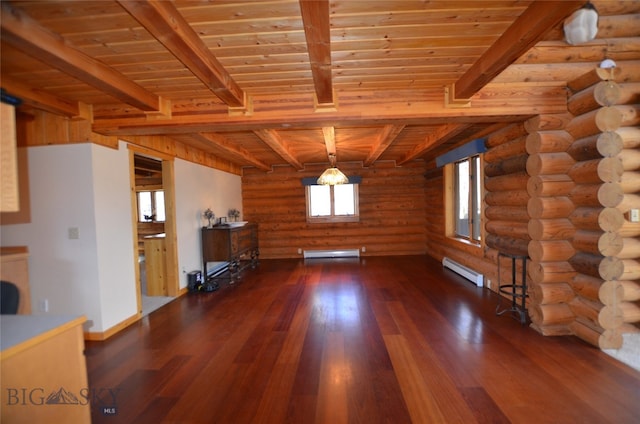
{"points": [[287, 82]]}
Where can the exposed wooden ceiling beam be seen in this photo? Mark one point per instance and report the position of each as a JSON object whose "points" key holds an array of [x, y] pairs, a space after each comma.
{"points": [[495, 104], [220, 142], [384, 140], [439, 136], [329, 134], [315, 17], [46, 101], [168, 26], [26, 34], [272, 139], [523, 34]]}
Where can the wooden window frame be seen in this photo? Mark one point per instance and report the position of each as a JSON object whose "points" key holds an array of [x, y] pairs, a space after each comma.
{"points": [[334, 218], [450, 193], [153, 205]]}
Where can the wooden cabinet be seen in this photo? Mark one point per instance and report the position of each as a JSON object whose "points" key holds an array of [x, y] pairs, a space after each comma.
{"points": [[155, 258], [44, 373], [235, 245]]}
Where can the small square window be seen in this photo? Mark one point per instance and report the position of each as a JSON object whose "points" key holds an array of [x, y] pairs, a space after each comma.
{"points": [[337, 203], [151, 206]]}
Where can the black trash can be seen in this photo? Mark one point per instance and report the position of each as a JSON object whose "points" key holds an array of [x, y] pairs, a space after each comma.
{"points": [[194, 281]]}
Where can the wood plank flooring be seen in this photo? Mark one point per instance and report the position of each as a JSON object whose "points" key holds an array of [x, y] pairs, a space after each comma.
{"points": [[376, 340]]}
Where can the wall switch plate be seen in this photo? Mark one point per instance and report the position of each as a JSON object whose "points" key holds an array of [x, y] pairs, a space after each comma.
{"points": [[634, 215], [43, 306], [74, 233]]}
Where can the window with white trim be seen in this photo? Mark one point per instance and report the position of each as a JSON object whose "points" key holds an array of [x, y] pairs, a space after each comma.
{"points": [[332, 203]]}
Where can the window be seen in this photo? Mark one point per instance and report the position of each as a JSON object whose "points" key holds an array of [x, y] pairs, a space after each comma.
{"points": [[467, 199], [151, 206], [337, 203]]}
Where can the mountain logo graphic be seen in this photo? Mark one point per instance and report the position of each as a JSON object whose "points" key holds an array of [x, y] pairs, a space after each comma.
{"points": [[62, 397]]}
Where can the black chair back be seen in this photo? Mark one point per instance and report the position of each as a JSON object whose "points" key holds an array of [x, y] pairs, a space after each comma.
{"points": [[9, 298]]}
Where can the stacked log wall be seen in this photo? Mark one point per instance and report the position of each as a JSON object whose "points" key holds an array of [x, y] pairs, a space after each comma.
{"points": [[505, 200], [618, 147], [584, 181], [586, 304], [392, 211], [581, 177], [550, 227]]}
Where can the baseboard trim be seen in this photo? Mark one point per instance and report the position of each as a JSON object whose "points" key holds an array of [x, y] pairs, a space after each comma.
{"points": [[99, 336]]}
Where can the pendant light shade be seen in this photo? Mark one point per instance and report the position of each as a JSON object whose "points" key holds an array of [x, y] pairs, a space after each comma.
{"points": [[332, 175], [582, 25]]}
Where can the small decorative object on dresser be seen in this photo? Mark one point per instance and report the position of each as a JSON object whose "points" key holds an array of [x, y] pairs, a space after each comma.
{"points": [[211, 217], [233, 214]]}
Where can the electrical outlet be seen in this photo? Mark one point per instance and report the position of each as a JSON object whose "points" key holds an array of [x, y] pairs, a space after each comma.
{"points": [[44, 305], [299, 251], [634, 215], [363, 249]]}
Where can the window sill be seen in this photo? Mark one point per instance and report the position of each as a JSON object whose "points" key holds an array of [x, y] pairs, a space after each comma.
{"points": [[473, 248], [331, 220]]}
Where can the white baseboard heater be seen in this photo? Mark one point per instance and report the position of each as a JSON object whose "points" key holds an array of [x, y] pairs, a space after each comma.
{"points": [[471, 275], [343, 253]]}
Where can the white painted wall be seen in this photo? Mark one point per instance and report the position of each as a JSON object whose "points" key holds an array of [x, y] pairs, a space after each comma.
{"points": [[81, 186], [114, 235], [198, 188], [86, 186]]}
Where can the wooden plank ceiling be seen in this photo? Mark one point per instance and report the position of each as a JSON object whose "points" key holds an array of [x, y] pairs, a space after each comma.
{"points": [[286, 82]]}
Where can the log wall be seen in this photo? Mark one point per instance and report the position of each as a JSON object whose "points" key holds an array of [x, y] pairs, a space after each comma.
{"points": [[550, 208], [392, 211], [583, 180], [505, 200], [560, 189], [618, 147]]}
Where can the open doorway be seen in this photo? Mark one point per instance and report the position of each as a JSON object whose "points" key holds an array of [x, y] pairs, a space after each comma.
{"points": [[152, 220]]}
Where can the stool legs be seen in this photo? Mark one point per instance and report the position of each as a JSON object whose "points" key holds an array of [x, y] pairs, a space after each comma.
{"points": [[517, 292]]}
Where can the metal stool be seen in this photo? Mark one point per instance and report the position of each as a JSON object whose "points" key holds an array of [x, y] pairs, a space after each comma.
{"points": [[517, 292]]}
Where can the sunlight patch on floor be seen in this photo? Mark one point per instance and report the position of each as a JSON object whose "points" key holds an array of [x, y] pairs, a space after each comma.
{"points": [[630, 351]]}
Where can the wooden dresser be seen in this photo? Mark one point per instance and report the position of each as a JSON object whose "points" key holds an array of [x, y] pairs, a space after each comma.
{"points": [[236, 245]]}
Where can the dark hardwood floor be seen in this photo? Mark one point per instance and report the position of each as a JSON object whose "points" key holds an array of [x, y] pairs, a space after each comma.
{"points": [[394, 339]]}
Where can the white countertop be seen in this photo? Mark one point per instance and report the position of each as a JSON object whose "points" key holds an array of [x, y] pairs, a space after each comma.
{"points": [[17, 329]]}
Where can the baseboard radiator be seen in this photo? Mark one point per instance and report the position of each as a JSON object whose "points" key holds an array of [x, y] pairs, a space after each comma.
{"points": [[343, 253], [471, 275]]}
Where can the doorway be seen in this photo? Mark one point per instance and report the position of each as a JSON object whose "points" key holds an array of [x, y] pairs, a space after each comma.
{"points": [[154, 231]]}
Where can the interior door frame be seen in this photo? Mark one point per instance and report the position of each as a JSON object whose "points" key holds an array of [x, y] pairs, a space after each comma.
{"points": [[171, 238]]}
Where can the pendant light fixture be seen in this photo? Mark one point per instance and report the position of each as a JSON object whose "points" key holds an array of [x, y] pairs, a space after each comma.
{"points": [[332, 175], [582, 26]]}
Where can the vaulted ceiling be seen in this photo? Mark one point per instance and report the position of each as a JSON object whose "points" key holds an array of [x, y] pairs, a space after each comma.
{"points": [[286, 82]]}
